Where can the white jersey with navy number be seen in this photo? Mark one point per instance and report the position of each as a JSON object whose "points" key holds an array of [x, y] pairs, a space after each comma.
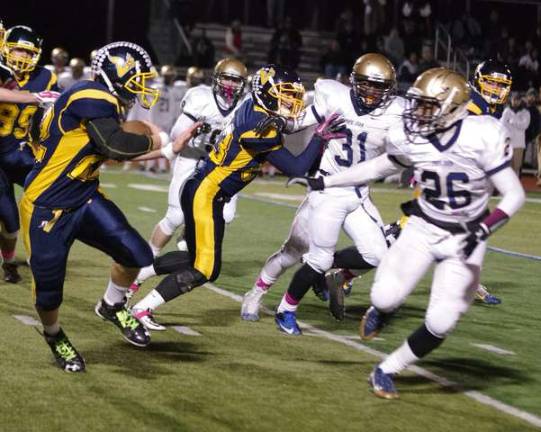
{"points": [[453, 169], [366, 131], [167, 109], [200, 104]]}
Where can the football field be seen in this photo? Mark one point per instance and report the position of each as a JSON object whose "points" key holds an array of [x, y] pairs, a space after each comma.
{"points": [[210, 371]]}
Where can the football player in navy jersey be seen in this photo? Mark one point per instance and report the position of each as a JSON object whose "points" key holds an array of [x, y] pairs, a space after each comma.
{"points": [[491, 87], [62, 201], [252, 137], [21, 52]]}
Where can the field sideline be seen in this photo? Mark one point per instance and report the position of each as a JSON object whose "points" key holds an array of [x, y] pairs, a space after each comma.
{"points": [[246, 376]]}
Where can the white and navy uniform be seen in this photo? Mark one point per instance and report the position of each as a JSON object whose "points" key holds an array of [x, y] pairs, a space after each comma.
{"points": [[350, 207], [315, 230], [198, 104], [454, 171]]}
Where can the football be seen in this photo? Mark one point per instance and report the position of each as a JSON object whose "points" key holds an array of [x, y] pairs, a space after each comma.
{"points": [[136, 127]]}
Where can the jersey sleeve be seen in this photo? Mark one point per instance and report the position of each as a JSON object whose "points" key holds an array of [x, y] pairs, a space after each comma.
{"points": [[269, 141], [496, 151], [88, 104], [191, 105], [323, 94], [396, 148]]}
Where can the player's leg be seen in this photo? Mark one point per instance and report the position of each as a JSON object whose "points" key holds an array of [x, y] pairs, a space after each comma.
{"points": [[327, 214], [452, 292], [173, 219], [289, 254], [202, 205], [365, 227], [103, 225], [9, 222], [47, 240], [399, 271]]}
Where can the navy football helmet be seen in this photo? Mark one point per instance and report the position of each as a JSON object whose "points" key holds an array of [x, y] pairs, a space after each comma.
{"points": [[278, 91], [22, 49], [126, 69], [493, 80]]}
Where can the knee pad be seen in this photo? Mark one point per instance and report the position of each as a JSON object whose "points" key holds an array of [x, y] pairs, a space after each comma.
{"points": [[180, 283], [171, 262], [172, 220]]}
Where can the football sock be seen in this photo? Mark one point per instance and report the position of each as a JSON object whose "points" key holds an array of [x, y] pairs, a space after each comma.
{"points": [[114, 293], [261, 285], [146, 273], [350, 258], [51, 330], [302, 280], [288, 303], [422, 341], [151, 301], [398, 360], [8, 255]]}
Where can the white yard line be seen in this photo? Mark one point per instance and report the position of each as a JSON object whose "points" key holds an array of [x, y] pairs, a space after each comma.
{"points": [[146, 209], [185, 330], [148, 187], [479, 397], [493, 349], [26, 320]]}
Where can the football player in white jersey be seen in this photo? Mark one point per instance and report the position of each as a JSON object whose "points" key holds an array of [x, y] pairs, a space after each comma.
{"points": [[458, 160], [368, 110], [213, 106]]}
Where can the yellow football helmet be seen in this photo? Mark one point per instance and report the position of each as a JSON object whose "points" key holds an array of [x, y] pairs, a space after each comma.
{"points": [[22, 49], [373, 79], [436, 100], [278, 91], [228, 80], [493, 80], [194, 76]]}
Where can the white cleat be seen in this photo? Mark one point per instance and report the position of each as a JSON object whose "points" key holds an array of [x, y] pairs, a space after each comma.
{"points": [[251, 303], [146, 318]]}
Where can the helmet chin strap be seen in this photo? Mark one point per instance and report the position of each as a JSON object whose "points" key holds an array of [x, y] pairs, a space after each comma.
{"points": [[112, 89]]}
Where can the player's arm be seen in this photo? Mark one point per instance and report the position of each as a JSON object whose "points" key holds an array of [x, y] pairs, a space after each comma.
{"points": [[184, 123], [14, 96], [169, 149], [116, 144], [513, 197], [362, 173]]}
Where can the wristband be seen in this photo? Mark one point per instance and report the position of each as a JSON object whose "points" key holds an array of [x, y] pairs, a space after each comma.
{"points": [[164, 138], [167, 151]]}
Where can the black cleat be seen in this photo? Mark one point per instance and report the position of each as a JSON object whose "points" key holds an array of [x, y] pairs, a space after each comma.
{"points": [[11, 275], [65, 354], [132, 330]]}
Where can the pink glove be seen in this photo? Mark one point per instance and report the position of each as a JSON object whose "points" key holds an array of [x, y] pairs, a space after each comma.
{"points": [[333, 127], [46, 97]]}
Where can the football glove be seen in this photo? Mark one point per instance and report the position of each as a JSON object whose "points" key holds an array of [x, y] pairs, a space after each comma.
{"points": [[311, 183], [474, 236], [332, 127], [46, 98], [268, 122], [203, 129]]}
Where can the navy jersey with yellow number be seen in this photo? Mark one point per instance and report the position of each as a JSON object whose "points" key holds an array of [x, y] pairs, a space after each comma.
{"points": [[66, 171], [237, 157], [15, 119], [478, 106]]}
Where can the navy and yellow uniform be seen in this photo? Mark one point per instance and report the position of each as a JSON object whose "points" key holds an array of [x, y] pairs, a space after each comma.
{"points": [[232, 165], [16, 157], [479, 106], [62, 201]]}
